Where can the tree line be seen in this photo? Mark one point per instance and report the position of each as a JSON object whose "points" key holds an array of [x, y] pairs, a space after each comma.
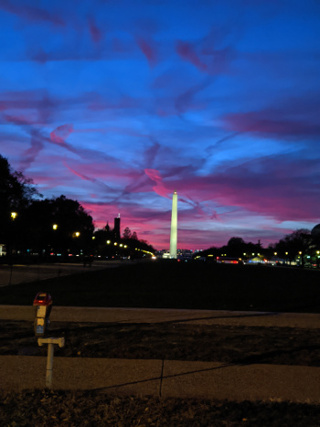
{"points": [[301, 246], [32, 225], [44, 228]]}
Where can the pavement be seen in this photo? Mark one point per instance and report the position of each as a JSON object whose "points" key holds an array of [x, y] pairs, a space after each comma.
{"points": [[16, 274], [166, 378]]}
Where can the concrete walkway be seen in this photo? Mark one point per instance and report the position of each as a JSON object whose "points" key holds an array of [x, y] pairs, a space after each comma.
{"points": [[150, 315], [168, 378]]}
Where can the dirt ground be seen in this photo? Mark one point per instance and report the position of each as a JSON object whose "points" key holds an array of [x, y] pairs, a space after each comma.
{"points": [[91, 408], [216, 343], [230, 344]]}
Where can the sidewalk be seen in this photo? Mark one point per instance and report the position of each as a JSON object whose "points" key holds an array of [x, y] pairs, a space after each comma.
{"points": [[168, 378], [150, 315]]}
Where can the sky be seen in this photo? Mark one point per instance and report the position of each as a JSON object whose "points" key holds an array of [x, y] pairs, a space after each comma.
{"points": [[118, 103]]}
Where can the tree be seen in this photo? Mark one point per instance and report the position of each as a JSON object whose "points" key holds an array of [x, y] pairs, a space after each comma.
{"points": [[126, 233], [16, 194], [74, 227], [294, 244]]}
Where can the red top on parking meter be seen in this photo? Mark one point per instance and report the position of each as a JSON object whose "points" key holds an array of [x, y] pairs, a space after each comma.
{"points": [[42, 298]]}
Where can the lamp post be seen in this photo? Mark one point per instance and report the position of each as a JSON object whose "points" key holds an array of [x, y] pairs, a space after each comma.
{"points": [[13, 216]]}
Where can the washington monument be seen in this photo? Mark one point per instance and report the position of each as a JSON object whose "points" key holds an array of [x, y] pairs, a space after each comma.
{"points": [[174, 226]]}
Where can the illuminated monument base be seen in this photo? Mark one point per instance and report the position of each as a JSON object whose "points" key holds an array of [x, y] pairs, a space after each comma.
{"points": [[174, 226]]}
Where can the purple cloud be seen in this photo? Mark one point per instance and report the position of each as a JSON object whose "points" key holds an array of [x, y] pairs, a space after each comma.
{"points": [[31, 13]]}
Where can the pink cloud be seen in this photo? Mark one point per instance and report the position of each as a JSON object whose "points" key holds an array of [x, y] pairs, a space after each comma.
{"points": [[27, 107], [18, 119], [61, 133], [95, 32], [186, 51], [159, 187], [204, 56], [30, 155], [269, 122], [80, 175], [148, 50], [275, 187]]}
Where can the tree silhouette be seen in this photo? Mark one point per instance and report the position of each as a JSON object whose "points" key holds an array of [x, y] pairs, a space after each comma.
{"points": [[16, 194]]}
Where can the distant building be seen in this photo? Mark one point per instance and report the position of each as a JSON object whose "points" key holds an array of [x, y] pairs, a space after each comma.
{"points": [[116, 230]]}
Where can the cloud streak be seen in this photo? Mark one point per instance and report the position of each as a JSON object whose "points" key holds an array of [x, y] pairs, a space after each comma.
{"points": [[118, 105]]}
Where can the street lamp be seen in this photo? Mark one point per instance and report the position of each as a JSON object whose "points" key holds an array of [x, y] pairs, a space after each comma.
{"points": [[10, 244], [55, 226]]}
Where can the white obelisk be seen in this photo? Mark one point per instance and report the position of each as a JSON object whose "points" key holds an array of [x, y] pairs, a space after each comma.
{"points": [[174, 226]]}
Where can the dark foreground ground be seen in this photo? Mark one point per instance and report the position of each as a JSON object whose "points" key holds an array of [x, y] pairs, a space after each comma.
{"points": [[91, 408], [166, 284], [170, 341], [174, 286]]}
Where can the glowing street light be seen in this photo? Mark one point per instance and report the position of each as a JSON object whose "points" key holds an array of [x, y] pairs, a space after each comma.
{"points": [[55, 226], [77, 233], [14, 215]]}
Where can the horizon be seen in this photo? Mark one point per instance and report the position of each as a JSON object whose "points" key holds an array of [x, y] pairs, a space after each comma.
{"points": [[117, 105]]}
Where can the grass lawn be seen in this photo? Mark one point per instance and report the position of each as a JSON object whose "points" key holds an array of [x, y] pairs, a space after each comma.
{"points": [[167, 284]]}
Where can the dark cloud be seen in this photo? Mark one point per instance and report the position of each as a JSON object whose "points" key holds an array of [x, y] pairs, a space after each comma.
{"points": [[149, 50], [30, 155], [187, 52], [95, 32], [118, 105], [31, 13], [271, 123]]}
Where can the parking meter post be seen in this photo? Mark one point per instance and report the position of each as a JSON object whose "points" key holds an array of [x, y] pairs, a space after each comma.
{"points": [[50, 341], [49, 365], [43, 305]]}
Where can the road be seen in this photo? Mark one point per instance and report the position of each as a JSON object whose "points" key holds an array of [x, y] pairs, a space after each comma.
{"points": [[31, 273]]}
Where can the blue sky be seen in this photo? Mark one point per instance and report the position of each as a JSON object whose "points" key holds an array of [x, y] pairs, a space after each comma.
{"points": [[119, 103]]}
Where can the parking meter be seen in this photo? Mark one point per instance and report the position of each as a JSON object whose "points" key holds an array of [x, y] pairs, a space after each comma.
{"points": [[43, 305]]}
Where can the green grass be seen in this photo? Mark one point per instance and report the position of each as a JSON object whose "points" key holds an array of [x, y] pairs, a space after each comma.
{"points": [[180, 285]]}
